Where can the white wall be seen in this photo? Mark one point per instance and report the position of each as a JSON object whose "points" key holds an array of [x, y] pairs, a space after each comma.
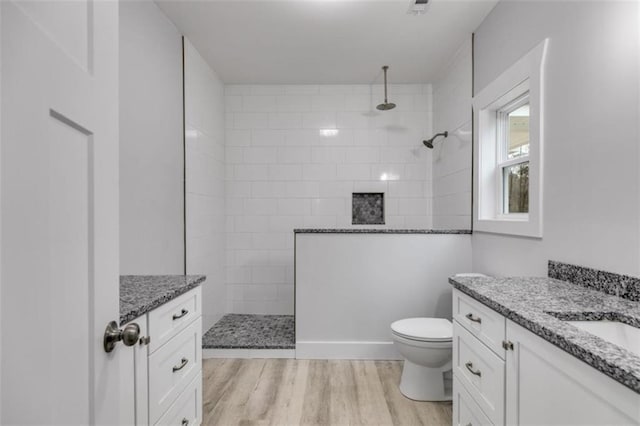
{"points": [[151, 148], [591, 152], [351, 287], [452, 156], [204, 117], [282, 174]]}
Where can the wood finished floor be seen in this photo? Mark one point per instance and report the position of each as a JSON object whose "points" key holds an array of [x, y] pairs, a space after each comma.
{"points": [[301, 392]]}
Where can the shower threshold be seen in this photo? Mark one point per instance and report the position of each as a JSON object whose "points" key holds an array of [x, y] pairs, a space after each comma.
{"points": [[243, 331]]}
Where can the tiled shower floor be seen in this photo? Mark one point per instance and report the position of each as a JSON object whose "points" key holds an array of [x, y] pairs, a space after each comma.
{"points": [[238, 331]]}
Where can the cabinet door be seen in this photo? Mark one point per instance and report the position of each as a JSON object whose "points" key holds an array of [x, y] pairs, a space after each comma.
{"points": [[134, 405], [546, 385]]}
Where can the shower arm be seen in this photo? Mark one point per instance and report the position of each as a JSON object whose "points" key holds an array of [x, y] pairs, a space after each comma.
{"points": [[385, 68]]}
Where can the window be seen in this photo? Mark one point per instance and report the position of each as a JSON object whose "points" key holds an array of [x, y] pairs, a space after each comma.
{"points": [[513, 156], [508, 150]]}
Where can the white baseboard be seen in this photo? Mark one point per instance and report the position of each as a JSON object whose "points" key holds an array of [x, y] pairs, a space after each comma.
{"points": [[248, 353], [347, 350]]}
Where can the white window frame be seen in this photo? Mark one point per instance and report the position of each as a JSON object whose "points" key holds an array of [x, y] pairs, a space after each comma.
{"points": [[523, 78]]}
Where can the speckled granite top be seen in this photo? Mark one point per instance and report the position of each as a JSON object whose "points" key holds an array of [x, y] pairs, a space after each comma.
{"points": [[382, 231], [538, 304], [140, 294]]}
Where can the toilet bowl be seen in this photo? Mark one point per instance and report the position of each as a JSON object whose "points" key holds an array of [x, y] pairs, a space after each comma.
{"points": [[425, 344]]}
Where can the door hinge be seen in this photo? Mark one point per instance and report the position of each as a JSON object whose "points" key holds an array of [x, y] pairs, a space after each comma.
{"points": [[507, 345]]}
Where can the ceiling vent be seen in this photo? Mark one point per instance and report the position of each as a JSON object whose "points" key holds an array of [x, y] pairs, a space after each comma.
{"points": [[418, 7]]}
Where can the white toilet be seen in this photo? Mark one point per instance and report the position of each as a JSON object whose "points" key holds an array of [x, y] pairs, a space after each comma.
{"points": [[425, 344]]}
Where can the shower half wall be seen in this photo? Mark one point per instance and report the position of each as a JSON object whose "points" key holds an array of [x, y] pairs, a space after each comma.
{"points": [[351, 286]]}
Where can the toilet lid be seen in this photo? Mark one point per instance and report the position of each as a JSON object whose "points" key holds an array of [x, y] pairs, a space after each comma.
{"points": [[427, 329]]}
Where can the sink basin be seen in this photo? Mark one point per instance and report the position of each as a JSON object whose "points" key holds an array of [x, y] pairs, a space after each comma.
{"points": [[615, 332]]}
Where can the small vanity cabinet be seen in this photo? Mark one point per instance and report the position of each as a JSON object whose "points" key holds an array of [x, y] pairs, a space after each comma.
{"points": [[167, 364], [505, 374]]}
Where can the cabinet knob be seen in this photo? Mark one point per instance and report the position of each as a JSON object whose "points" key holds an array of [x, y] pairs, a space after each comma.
{"points": [[145, 340], [112, 335], [185, 422]]}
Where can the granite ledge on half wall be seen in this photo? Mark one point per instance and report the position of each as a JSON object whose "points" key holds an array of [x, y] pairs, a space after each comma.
{"points": [[140, 294], [381, 231], [541, 304]]}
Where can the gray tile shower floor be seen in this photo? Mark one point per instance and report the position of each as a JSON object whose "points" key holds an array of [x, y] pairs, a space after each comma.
{"points": [[239, 331]]}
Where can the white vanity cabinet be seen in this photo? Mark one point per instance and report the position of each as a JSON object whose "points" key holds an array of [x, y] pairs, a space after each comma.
{"points": [[505, 374], [167, 365]]}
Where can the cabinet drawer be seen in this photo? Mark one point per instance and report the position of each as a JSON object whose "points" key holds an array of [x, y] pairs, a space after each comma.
{"points": [[465, 410], [482, 321], [167, 320], [480, 371], [172, 367], [187, 410]]}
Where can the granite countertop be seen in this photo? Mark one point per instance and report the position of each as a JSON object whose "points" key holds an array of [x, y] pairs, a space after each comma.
{"points": [[140, 294], [538, 304], [381, 231]]}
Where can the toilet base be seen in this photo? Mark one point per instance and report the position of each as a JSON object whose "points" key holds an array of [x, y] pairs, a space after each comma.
{"points": [[423, 383]]}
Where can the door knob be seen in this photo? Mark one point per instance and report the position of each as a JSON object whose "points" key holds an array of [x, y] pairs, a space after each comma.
{"points": [[112, 335]]}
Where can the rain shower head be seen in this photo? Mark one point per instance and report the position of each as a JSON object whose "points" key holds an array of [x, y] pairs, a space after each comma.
{"points": [[386, 105], [429, 142]]}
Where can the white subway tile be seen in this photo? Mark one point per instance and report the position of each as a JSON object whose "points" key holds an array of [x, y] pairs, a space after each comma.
{"points": [[237, 137], [293, 103], [328, 206], [285, 172], [330, 103], [294, 206], [301, 89], [283, 120], [319, 172], [319, 120], [362, 154], [291, 154], [267, 274], [260, 155], [301, 189], [328, 154], [414, 206], [261, 206], [335, 189], [266, 89], [233, 103], [354, 172], [258, 103], [251, 120], [245, 172], [268, 189], [267, 137]]}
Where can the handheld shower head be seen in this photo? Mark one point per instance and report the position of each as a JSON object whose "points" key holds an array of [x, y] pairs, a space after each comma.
{"points": [[429, 142]]}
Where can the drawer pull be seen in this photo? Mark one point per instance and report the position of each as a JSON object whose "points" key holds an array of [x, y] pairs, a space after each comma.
{"points": [[470, 317], [185, 422], [469, 366], [180, 315], [181, 366]]}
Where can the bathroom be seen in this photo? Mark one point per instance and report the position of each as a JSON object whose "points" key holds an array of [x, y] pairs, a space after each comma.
{"points": [[320, 212]]}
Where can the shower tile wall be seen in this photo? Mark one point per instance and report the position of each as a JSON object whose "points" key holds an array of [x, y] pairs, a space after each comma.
{"points": [[295, 155], [452, 156]]}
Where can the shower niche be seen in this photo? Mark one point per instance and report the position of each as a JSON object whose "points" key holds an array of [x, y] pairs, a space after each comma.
{"points": [[367, 208]]}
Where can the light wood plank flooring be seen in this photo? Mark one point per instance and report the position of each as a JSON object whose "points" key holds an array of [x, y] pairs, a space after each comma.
{"points": [[301, 392]]}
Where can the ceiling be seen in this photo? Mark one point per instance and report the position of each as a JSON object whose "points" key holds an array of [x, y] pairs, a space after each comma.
{"points": [[325, 41]]}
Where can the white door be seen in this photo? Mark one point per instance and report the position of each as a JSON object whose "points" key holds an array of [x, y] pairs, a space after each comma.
{"points": [[59, 194]]}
